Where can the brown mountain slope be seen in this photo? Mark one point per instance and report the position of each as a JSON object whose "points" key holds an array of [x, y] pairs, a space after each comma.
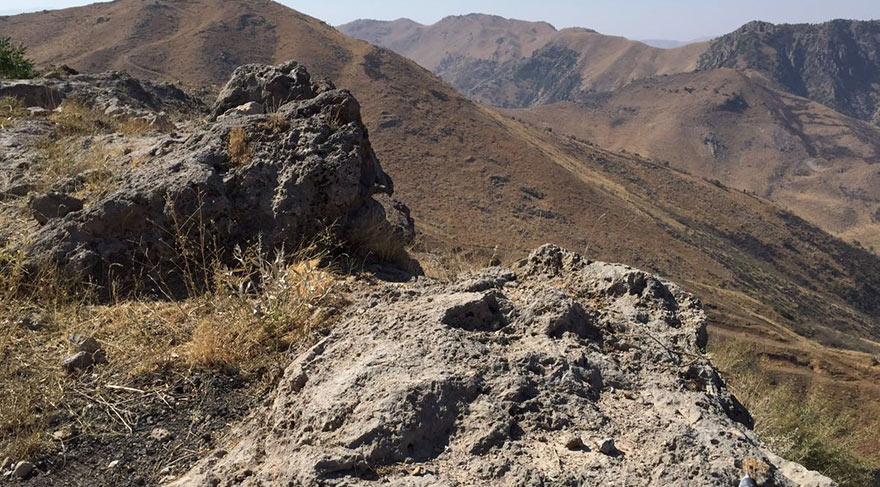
{"points": [[476, 179], [513, 63], [723, 125]]}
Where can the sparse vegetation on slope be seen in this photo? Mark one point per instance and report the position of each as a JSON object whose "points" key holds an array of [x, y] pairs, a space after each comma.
{"points": [[809, 424]]}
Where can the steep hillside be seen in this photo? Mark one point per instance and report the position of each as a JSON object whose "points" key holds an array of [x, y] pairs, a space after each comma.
{"points": [[723, 125], [512, 63], [477, 181], [836, 63]]}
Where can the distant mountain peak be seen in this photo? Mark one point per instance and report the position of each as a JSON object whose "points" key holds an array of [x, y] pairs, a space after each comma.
{"points": [[836, 63]]}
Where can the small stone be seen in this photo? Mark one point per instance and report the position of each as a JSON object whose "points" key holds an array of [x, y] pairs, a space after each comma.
{"points": [[64, 434], [747, 482], [160, 434], [87, 353], [53, 205], [113, 464], [84, 343], [249, 108], [20, 189], [418, 471], [606, 446], [574, 442], [23, 469], [73, 362]]}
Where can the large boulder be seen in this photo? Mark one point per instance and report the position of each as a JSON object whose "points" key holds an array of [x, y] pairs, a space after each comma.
{"points": [[277, 180], [559, 371]]}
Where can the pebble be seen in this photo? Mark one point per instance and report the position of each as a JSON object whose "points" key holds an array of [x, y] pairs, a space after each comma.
{"points": [[606, 446], [574, 442], [23, 469], [160, 434]]}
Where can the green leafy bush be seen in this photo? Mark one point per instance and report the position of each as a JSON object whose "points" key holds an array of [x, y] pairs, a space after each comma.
{"points": [[13, 63]]}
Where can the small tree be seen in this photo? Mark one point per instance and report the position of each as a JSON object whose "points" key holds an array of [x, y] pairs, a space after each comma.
{"points": [[13, 63]]}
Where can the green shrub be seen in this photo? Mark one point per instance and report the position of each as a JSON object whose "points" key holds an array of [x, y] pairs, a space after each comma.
{"points": [[13, 63]]}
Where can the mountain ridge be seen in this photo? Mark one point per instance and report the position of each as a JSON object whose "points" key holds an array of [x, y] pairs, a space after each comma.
{"points": [[515, 63], [480, 182], [833, 62]]}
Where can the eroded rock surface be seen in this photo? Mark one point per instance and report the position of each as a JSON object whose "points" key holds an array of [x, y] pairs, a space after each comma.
{"points": [[505, 377], [276, 179]]}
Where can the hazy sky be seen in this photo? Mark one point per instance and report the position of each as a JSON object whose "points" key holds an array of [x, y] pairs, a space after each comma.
{"points": [[636, 19]]}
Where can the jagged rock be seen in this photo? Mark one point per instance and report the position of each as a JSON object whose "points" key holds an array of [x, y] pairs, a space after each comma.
{"points": [[270, 86], [398, 218], [249, 108], [464, 380], [53, 205], [832, 63], [87, 352], [73, 362], [277, 180], [606, 446]]}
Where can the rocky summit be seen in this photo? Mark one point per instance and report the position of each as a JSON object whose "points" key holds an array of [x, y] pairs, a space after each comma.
{"points": [[557, 371]]}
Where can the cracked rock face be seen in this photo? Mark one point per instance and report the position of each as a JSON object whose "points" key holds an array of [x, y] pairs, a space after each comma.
{"points": [[276, 179], [506, 377]]}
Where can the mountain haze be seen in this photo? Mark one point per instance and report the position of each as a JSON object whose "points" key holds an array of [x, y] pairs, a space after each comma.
{"points": [[512, 63]]}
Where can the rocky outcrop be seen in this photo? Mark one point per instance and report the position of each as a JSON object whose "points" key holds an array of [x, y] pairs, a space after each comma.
{"points": [[114, 93], [276, 180], [559, 371], [835, 63]]}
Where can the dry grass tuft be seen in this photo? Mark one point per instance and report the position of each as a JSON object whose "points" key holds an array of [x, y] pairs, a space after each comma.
{"points": [[275, 124], [77, 118], [62, 159], [263, 306], [816, 427], [446, 264], [10, 109], [238, 147]]}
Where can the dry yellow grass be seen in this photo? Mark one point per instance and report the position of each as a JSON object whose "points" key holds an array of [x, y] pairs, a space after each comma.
{"points": [[254, 312], [814, 426], [63, 158], [77, 118], [238, 147], [11, 108]]}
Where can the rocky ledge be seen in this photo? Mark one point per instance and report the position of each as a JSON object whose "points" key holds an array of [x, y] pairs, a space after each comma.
{"points": [[248, 176], [559, 371]]}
